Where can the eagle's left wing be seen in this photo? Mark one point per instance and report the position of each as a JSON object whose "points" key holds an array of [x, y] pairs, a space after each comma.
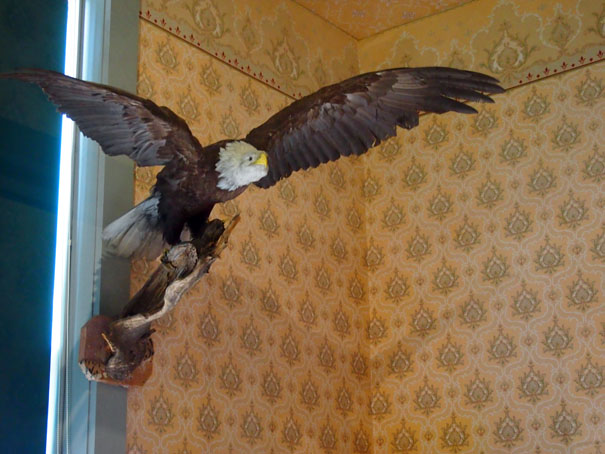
{"points": [[354, 115]]}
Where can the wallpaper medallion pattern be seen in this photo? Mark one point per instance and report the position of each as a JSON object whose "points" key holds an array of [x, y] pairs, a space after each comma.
{"points": [[444, 293]]}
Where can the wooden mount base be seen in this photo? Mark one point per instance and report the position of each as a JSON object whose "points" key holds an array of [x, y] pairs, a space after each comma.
{"points": [[120, 351]]}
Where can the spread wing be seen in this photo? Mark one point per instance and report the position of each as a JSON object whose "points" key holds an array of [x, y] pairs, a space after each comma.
{"points": [[352, 116], [122, 123]]}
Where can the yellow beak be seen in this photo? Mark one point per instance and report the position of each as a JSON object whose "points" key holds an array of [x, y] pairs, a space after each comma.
{"points": [[262, 160]]}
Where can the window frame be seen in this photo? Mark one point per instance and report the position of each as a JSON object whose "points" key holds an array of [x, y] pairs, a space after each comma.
{"points": [[90, 417]]}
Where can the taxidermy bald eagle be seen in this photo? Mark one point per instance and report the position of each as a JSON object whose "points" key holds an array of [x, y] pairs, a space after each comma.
{"points": [[339, 120]]}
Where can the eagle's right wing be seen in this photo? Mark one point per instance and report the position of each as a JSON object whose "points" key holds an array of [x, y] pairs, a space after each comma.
{"points": [[122, 123]]}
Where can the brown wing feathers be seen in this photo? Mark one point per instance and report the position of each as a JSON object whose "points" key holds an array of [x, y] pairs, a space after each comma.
{"points": [[122, 123], [359, 113]]}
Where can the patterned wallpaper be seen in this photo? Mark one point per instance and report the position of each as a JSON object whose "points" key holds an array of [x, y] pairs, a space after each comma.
{"points": [[516, 41], [274, 42], [442, 294], [361, 19], [486, 262], [268, 354]]}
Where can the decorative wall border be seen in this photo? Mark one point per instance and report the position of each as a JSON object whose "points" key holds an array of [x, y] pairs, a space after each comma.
{"points": [[185, 33], [559, 67]]}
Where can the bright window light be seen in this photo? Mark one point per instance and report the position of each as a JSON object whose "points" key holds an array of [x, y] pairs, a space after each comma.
{"points": [[60, 291]]}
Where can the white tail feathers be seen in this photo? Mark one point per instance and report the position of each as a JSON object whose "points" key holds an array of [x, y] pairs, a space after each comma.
{"points": [[137, 233]]}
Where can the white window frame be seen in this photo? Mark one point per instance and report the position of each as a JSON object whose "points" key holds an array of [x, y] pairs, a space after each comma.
{"points": [[86, 417]]}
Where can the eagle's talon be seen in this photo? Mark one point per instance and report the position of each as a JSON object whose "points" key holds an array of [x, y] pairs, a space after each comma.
{"points": [[165, 261]]}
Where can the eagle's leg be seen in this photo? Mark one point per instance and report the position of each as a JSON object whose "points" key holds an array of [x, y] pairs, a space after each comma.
{"points": [[172, 227], [197, 224]]}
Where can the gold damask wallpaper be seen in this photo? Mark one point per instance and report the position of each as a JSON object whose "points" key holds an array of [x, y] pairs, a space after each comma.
{"points": [[513, 40], [277, 42], [443, 293], [486, 264], [268, 354]]}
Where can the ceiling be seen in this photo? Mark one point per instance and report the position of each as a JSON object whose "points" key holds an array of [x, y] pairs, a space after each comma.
{"points": [[364, 18]]}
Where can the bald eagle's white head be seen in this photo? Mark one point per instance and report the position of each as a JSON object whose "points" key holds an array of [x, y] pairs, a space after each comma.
{"points": [[240, 164]]}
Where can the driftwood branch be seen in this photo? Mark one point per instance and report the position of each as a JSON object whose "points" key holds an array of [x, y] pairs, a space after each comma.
{"points": [[120, 351]]}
